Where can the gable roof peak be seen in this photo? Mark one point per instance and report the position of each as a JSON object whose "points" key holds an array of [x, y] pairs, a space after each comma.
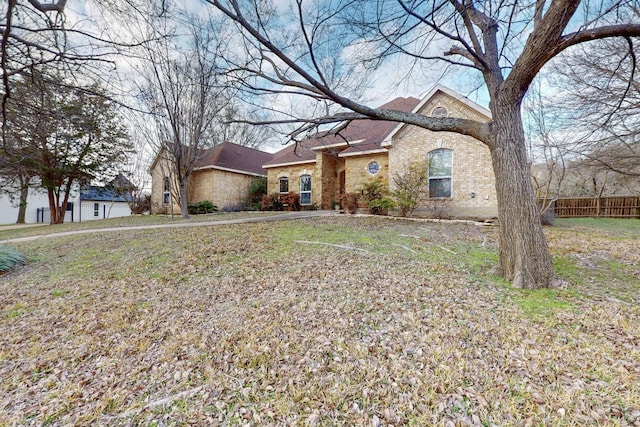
{"points": [[428, 95]]}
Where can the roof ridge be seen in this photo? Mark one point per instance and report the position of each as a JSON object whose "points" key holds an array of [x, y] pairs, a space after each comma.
{"points": [[244, 147], [218, 149]]}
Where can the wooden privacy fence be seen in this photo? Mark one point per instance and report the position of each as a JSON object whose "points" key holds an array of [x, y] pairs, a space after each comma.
{"points": [[602, 207]]}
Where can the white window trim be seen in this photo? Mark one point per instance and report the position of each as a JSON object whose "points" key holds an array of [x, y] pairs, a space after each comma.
{"points": [[379, 167], [280, 187], [166, 193], [446, 112], [310, 190], [450, 177]]}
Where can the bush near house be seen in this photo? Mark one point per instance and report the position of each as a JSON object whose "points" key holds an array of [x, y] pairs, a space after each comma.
{"points": [[291, 201], [349, 202], [376, 194], [203, 207], [438, 208], [411, 187], [256, 192], [141, 205], [9, 258], [271, 202]]}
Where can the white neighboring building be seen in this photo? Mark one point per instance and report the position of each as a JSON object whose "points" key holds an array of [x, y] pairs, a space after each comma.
{"points": [[36, 201], [101, 203], [89, 204]]}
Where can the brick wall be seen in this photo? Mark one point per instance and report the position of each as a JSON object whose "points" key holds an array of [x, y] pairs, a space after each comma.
{"points": [[357, 171], [158, 173], [293, 173], [329, 167], [222, 188], [473, 182]]}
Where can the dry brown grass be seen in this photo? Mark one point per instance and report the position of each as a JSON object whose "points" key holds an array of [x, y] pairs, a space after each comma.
{"points": [[239, 325]]}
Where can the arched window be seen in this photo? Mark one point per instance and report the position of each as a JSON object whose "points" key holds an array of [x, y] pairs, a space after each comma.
{"points": [[440, 168], [283, 185], [305, 189], [439, 112]]}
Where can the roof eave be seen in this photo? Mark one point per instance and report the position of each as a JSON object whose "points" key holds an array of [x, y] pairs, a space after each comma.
{"points": [[201, 168], [388, 140], [277, 165], [364, 153]]}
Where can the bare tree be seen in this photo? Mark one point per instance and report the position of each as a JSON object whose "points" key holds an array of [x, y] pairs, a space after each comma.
{"points": [[600, 88], [506, 44], [39, 34], [546, 150], [182, 90]]}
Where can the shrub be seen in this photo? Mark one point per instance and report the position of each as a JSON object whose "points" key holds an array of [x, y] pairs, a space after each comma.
{"points": [[9, 257], [140, 204], [159, 209], [203, 207], [548, 217], [376, 195], [291, 201], [271, 202], [438, 208], [234, 207], [349, 202], [411, 187], [257, 190], [381, 206]]}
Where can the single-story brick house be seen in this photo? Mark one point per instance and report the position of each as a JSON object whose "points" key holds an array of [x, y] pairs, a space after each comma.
{"points": [[323, 166], [222, 175]]}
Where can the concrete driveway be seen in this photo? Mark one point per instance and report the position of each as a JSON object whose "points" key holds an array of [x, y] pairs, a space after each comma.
{"points": [[279, 217]]}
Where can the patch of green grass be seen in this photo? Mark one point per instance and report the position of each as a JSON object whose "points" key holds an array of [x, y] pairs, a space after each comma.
{"points": [[477, 260], [541, 304], [611, 226], [605, 278], [15, 312], [567, 269]]}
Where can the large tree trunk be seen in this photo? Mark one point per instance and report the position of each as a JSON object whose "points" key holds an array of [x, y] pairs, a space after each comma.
{"points": [[524, 255], [53, 207], [22, 207], [184, 208]]}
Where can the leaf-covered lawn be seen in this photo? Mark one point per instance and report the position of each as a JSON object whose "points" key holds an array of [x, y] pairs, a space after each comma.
{"points": [[245, 325]]}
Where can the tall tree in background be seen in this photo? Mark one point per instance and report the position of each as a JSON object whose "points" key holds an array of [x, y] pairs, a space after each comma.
{"points": [[182, 90], [40, 34], [28, 116], [190, 100], [590, 83], [505, 43], [15, 177], [63, 137]]}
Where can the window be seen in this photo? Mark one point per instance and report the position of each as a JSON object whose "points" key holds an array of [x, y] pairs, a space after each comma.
{"points": [[373, 167], [96, 209], [166, 192], [283, 185], [439, 112], [305, 190], [440, 173]]}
